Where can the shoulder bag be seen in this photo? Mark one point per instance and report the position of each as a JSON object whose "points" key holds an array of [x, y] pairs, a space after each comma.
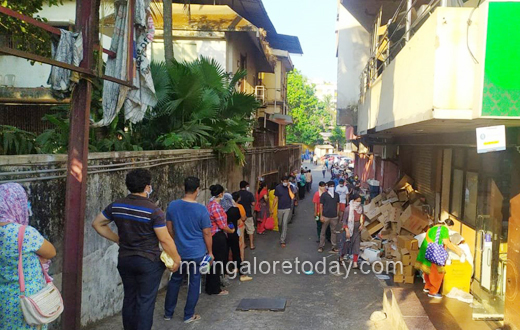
{"points": [[44, 306], [435, 251]]}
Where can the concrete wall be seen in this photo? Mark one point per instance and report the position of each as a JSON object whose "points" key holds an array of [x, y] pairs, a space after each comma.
{"points": [[353, 51], [43, 178], [433, 76]]}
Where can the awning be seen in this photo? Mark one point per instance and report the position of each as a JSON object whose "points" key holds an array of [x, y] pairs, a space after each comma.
{"points": [[281, 119], [285, 42], [216, 18]]}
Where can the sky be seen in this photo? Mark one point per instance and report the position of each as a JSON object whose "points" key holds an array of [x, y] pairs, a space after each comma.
{"points": [[314, 22]]}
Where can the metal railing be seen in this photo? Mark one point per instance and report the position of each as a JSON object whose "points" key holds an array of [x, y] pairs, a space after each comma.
{"points": [[387, 45]]}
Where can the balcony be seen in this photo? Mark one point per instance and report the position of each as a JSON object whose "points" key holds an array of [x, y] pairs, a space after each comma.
{"points": [[437, 81]]}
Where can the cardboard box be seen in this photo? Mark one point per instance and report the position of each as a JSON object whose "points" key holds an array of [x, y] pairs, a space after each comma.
{"points": [[414, 220], [386, 208], [408, 270], [409, 279], [394, 227], [401, 184], [379, 244], [383, 218], [404, 251], [407, 260], [373, 213], [394, 214], [365, 236], [391, 194], [377, 200], [398, 278], [374, 226], [403, 196], [406, 242], [414, 255]]}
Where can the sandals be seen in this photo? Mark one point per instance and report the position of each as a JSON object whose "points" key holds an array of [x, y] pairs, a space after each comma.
{"points": [[253, 248], [223, 293], [193, 319], [320, 250], [283, 245]]}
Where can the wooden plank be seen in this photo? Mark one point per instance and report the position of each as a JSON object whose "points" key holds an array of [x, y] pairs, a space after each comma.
{"points": [[41, 59]]}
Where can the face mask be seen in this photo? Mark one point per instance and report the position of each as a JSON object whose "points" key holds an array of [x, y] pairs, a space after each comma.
{"points": [[148, 193], [331, 190], [341, 185], [285, 184], [247, 188]]}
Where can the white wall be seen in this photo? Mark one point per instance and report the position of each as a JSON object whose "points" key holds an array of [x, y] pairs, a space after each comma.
{"points": [[432, 77], [189, 50], [353, 54]]}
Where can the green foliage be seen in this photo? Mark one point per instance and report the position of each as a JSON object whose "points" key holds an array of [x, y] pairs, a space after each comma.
{"points": [[338, 137], [14, 141], [25, 36], [310, 116], [199, 107]]}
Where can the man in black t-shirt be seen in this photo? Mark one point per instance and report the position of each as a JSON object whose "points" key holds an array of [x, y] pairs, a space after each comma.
{"points": [[329, 204], [247, 200]]}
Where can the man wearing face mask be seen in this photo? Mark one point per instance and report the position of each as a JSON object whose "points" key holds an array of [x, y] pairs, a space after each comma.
{"points": [[343, 192], [247, 200], [322, 187], [141, 227], [283, 200], [329, 216]]}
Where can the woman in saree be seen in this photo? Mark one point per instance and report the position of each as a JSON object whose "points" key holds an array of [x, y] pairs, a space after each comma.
{"points": [[273, 210], [261, 207], [353, 223], [434, 274]]}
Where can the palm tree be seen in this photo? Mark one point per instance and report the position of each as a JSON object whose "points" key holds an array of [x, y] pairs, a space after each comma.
{"points": [[199, 107]]}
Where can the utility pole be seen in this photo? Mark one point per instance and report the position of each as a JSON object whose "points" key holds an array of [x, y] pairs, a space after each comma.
{"points": [[75, 195]]}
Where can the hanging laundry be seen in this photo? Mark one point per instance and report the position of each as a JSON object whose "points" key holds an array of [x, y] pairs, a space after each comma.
{"points": [[68, 50], [135, 101]]}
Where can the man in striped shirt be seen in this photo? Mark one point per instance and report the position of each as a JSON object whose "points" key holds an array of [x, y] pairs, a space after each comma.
{"points": [[141, 226]]}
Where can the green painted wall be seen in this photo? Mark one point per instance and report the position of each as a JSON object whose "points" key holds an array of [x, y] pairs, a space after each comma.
{"points": [[502, 66]]}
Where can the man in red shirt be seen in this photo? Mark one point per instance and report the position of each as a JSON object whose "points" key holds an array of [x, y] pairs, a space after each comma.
{"points": [[316, 200]]}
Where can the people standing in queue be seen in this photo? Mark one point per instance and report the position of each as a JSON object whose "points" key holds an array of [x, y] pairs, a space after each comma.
{"points": [[434, 274], [324, 170], [234, 217], [189, 224], [273, 211], [353, 223], [219, 229], [322, 186], [141, 226], [261, 207], [343, 193], [308, 179], [14, 213], [247, 200], [283, 200], [329, 205], [302, 184]]}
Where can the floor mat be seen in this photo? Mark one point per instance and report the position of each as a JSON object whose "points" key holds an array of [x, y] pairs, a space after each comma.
{"points": [[263, 304]]}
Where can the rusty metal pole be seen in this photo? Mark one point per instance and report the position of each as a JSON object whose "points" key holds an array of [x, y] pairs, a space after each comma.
{"points": [[75, 195]]}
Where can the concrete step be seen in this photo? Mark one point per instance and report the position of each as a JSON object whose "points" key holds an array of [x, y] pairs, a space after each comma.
{"points": [[405, 311]]}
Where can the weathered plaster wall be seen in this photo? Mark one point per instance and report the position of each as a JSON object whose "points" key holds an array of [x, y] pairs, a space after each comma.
{"points": [[43, 176]]}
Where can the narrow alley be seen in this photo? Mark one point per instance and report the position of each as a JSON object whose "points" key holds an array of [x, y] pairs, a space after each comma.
{"points": [[313, 301]]}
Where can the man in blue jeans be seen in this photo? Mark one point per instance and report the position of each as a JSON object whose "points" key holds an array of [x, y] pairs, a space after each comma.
{"points": [[188, 222], [141, 227]]}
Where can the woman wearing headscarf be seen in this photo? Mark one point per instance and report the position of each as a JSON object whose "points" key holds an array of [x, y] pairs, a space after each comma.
{"points": [[353, 219], [219, 228], [14, 213], [262, 207], [229, 204]]}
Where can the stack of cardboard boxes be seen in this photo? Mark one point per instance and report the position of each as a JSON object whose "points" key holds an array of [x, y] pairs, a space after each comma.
{"points": [[392, 219], [407, 251]]}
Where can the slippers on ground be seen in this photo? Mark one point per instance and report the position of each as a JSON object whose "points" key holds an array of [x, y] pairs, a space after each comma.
{"points": [[193, 319], [252, 248], [223, 293], [283, 245]]}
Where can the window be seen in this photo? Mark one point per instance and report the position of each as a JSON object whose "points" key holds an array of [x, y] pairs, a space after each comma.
{"points": [[465, 185]]}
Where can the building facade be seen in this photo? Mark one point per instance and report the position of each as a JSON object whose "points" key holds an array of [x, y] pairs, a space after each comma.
{"points": [[436, 73]]}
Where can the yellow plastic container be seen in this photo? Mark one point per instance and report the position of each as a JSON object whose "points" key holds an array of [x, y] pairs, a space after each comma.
{"points": [[458, 275]]}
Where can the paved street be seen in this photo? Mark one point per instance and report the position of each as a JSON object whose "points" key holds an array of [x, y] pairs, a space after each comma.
{"points": [[313, 301]]}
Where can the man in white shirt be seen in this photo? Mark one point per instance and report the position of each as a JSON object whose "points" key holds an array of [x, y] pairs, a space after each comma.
{"points": [[343, 193]]}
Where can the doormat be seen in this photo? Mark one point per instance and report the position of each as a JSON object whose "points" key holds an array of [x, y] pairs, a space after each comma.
{"points": [[262, 304]]}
